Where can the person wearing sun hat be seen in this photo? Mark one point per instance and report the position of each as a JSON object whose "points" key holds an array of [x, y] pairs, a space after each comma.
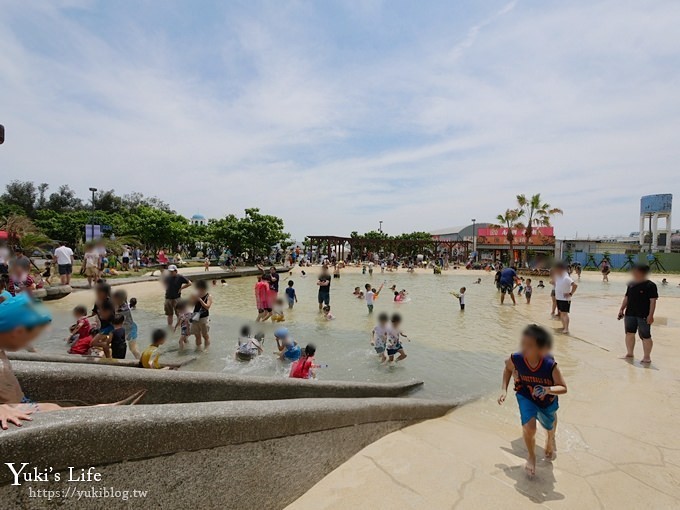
{"points": [[21, 321], [288, 349]]}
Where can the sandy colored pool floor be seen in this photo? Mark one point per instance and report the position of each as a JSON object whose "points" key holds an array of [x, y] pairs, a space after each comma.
{"points": [[618, 444]]}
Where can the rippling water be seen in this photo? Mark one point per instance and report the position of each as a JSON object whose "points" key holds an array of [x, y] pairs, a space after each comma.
{"points": [[458, 355]]}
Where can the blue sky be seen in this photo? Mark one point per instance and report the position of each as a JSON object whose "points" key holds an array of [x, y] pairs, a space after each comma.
{"points": [[335, 115]]}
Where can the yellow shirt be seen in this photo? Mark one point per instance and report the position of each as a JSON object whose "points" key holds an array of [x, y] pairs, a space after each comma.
{"points": [[149, 358]]}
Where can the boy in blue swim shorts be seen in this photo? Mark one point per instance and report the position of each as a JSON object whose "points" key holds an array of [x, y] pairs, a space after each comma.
{"points": [[538, 382]]}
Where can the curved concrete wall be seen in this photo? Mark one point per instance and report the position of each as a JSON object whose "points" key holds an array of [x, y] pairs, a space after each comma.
{"points": [[252, 454], [89, 360], [97, 383]]}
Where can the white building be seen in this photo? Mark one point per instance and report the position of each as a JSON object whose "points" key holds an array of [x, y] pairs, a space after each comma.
{"points": [[198, 219]]}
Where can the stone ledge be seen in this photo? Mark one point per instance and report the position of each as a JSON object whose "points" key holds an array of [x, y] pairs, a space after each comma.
{"points": [[98, 436], [93, 384]]}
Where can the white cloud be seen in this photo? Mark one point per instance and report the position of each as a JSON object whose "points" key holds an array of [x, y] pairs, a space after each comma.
{"points": [[334, 125]]}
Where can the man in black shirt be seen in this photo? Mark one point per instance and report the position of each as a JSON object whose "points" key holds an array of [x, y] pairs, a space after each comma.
{"points": [[174, 285], [324, 284], [637, 311]]}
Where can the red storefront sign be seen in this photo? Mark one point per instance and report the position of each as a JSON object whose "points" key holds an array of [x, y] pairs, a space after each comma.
{"points": [[541, 236]]}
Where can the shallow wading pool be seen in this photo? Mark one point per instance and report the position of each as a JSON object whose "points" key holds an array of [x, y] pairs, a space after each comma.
{"points": [[458, 355]]}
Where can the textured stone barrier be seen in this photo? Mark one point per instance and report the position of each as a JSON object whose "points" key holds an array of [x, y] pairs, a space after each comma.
{"points": [[92, 384], [52, 292], [90, 360], [245, 455]]}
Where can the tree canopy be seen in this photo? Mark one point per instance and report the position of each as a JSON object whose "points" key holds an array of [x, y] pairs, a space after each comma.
{"points": [[62, 216]]}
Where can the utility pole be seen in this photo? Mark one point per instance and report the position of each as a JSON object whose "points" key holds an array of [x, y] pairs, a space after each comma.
{"points": [[93, 190], [474, 239]]}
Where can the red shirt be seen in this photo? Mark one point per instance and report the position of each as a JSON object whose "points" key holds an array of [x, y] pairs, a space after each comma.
{"points": [[83, 328], [301, 368], [81, 346]]}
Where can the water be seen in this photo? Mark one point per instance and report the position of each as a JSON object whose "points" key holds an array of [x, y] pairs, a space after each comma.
{"points": [[458, 355]]}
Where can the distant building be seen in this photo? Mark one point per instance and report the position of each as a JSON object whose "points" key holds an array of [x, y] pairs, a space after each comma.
{"points": [[492, 241], [599, 245], [461, 233], [199, 220], [655, 222]]}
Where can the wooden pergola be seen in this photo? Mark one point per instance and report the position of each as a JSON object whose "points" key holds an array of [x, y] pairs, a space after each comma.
{"points": [[400, 247]]}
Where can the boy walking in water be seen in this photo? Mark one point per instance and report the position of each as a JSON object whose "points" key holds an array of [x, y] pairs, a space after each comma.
{"points": [[370, 297], [538, 382], [291, 295], [379, 336]]}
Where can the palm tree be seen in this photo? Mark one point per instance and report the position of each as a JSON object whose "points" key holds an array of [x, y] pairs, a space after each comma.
{"points": [[511, 220], [21, 231], [537, 214]]}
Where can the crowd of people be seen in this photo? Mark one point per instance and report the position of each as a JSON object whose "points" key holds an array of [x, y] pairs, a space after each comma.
{"points": [[109, 330]]}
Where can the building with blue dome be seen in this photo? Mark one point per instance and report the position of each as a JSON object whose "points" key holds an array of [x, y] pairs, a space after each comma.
{"points": [[198, 219]]}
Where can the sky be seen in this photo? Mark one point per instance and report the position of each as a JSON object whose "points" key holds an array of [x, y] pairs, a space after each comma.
{"points": [[335, 115]]}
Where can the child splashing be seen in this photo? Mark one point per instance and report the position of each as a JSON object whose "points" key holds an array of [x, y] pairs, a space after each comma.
{"points": [[394, 335], [305, 368], [538, 382], [379, 336], [248, 347]]}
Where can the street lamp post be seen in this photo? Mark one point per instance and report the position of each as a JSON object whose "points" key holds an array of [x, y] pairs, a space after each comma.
{"points": [[93, 190], [474, 239], [380, 227]]}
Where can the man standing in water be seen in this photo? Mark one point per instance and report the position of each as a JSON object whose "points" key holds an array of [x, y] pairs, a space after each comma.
{"points": [[637, 311], [324, 284], [507, 283], [174, 285], [564, 290], [64, 258]]}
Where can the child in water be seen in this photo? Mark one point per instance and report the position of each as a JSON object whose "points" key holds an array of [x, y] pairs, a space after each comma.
{"points": [[248, 347], [304, 368], [528, 290], [540, 285], [118, 345], [123, 308], [277, 314], [538, 382], [460, 295], [288, 349], [327, 313], [379, 336], [291, 295], [82, 326], [370, 297], [150, 356], [183, 322], [394, 335]]}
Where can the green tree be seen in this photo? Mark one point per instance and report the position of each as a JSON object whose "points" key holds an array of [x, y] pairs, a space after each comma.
{"points": [[157, 228], [261, 232], [537, 214], [21, 194], [226, 232], [510, 220], [64, 199]]}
